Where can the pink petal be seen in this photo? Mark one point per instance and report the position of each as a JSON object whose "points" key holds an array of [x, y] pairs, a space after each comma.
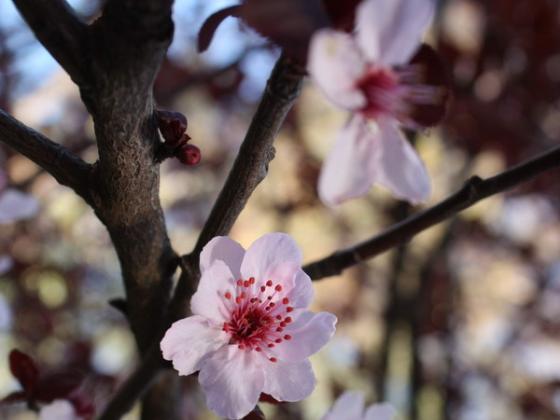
{"points": [[15, 205], [335, 63], [399, 167], [289, 381], [349, 405], [350, 167], [273, 256], [58, 410], [187, 341], [309, 333], [383, 411], [389, 31], [232, 381], [302, 293], [224, 249], [208, 300]]}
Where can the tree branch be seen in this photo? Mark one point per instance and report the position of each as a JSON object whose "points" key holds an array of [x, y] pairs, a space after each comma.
{"points": [[474, 190], [67, 168], [251, 166], [256, 152], [58, 28]]}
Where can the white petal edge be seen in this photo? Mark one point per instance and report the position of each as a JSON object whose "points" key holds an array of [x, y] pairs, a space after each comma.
{"points": [[349, 170], [336, 64], [349, 406], [399, 167], [310, 332], [274, 256], [224, 249], [390, 31], [232, 381], [382, 411], [289, 381], [208, 299], [189, 340]]}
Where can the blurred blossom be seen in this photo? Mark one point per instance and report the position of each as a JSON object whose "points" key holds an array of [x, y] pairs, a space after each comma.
{"points": [[58, 410], [5, 315], [369, 75], [350, 406]]}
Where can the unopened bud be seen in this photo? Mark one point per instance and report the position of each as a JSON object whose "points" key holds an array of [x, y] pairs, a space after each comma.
{"points": [[188, 154], [172, 126]]}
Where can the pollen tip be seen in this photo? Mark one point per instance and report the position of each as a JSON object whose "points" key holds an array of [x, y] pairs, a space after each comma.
{"points": [[269, 283]]}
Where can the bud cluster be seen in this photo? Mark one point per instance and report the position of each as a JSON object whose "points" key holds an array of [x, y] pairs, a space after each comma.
{"points": [[173, 128]]}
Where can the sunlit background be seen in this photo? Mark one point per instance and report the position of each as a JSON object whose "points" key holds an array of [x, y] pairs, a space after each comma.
{"points": [[461, 323]]}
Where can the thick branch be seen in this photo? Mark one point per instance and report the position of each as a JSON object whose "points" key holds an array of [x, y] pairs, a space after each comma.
{"points": [[473, 191], [57, 27], [248, 171], [256, 152], [67, 168]]}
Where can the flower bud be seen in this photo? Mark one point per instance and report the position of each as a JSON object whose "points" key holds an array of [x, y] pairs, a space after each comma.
{"points": [[188, 154], [172, 126]]}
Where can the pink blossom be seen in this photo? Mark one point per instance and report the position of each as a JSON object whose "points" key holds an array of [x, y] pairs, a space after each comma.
{"points": [[368, 73], [350, 406], [15, 205], [58, 410], [250, 332]]}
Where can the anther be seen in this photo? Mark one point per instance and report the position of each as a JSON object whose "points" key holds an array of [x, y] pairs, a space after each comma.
{"points": [[278, 288], [269, 283], [227, 295], [287, 337], [273, 359], [285, 301], [289, 309]]}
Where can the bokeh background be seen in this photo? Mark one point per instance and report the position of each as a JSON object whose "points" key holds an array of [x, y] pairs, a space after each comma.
{"points": [[462, 323]]}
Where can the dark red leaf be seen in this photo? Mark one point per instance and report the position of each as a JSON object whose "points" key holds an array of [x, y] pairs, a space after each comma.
{"points": [[342, 13], [14, 397], [287, 23], [435, 74], [57, 385], [211, 24], [268, 398], [172, 126], [24, 370]]}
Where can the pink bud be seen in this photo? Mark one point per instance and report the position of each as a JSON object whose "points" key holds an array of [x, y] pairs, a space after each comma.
{"points": [[188, 154]]}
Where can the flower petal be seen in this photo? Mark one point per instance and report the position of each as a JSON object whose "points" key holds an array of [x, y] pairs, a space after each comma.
{"points": [[399, 167], [273, 256], [58, 410], [336, 64], [208, 300], [302, 293], [224, 249], [309, 333], [232, 381], [389, 31], [349, 405], [189, 340], [289, 381], [15, 205], [383, 411], [350, 167]]}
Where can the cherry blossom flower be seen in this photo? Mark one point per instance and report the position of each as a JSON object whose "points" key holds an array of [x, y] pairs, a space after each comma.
{"points": [[250, 332], [369, 73], [59, 410], [350, 406]]}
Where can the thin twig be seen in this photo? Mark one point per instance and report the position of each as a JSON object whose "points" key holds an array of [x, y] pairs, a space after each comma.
{"points": [[474, 190], [58, 28], [67, 168]]}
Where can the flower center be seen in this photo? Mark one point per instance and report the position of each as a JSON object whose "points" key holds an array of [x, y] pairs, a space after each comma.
{"points": [[395, 91], [258, 315]]}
